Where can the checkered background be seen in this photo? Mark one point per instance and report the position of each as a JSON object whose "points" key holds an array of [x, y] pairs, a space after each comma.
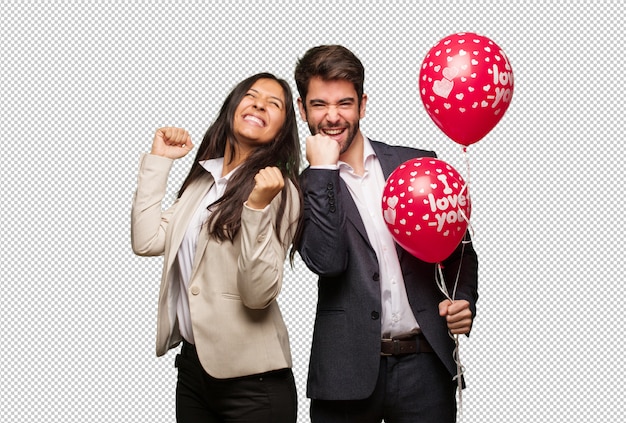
{"points": [[84, 84]]}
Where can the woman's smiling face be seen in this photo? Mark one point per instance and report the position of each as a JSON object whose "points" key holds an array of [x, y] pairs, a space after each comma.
{"points": [[261, 114]]}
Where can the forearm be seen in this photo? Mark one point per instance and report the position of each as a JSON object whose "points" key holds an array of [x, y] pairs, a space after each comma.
{"points": [[263, 251], [461, 275], [323, 246], [148, 222]]}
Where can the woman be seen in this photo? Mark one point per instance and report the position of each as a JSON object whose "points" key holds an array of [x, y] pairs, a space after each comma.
{"points": [[224, 242]]}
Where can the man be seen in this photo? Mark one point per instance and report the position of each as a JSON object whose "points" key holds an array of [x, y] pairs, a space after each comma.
{"points": [[381, 344]]}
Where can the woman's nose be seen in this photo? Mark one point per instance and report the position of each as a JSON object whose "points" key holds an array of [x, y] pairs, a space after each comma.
{"points": [[259, 104]]}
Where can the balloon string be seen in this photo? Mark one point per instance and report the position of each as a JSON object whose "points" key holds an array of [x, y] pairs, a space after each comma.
{"points": [[466, 240], [460, 370], [463, 189]]}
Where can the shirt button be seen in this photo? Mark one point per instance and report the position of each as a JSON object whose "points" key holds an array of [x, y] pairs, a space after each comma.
{"points": [[195, 290], [375, 315]]}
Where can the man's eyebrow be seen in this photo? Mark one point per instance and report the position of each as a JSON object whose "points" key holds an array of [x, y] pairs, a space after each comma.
{"points": [[343, 100]]}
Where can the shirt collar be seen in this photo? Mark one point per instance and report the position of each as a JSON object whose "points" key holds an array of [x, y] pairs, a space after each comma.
{"points": [[215, 168], [368, 152]]}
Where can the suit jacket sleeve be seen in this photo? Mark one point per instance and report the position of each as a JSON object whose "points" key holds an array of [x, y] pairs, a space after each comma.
{"points": [[323, 246], [148, 221], [464, 263], [263, 249]]}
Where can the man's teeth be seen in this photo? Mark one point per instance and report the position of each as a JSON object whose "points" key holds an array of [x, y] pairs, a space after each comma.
{"points": [[333, 131]]}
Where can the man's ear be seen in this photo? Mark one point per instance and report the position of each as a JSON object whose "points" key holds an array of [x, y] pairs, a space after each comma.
{"points": [[302, 109], [362, 108]]}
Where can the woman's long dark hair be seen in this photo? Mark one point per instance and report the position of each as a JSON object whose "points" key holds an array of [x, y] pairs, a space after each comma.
{"points": [[284, 152]]}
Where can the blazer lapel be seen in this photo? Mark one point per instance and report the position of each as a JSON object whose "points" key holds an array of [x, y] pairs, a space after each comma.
{"points": [[389, 161], [189, 203], [352, 212], [203, 240], [386, 157]]}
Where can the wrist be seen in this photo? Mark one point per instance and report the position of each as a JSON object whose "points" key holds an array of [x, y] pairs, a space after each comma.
{"points": [[255, 206]]}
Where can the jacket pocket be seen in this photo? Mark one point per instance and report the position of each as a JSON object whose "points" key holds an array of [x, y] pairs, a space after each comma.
{"points": [[229, 296]]}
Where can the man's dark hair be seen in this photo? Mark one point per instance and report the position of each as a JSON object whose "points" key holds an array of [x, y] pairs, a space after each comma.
{"points": [[329, 62]]}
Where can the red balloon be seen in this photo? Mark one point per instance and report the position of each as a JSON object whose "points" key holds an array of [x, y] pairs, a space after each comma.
{"points": [[426, 208], [466, 86]]}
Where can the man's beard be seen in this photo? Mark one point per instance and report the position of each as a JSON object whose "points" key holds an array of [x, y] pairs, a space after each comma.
{"points": [[352, 131]]}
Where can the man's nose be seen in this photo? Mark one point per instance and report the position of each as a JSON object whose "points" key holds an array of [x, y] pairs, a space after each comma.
{"points": [[332, 113]]}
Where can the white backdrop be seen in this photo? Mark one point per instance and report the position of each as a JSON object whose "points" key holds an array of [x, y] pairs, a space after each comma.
{"points": [[85, 84]]}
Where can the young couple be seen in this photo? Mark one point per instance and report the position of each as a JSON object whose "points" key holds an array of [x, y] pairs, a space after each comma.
{"points": [[381, 347]]}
